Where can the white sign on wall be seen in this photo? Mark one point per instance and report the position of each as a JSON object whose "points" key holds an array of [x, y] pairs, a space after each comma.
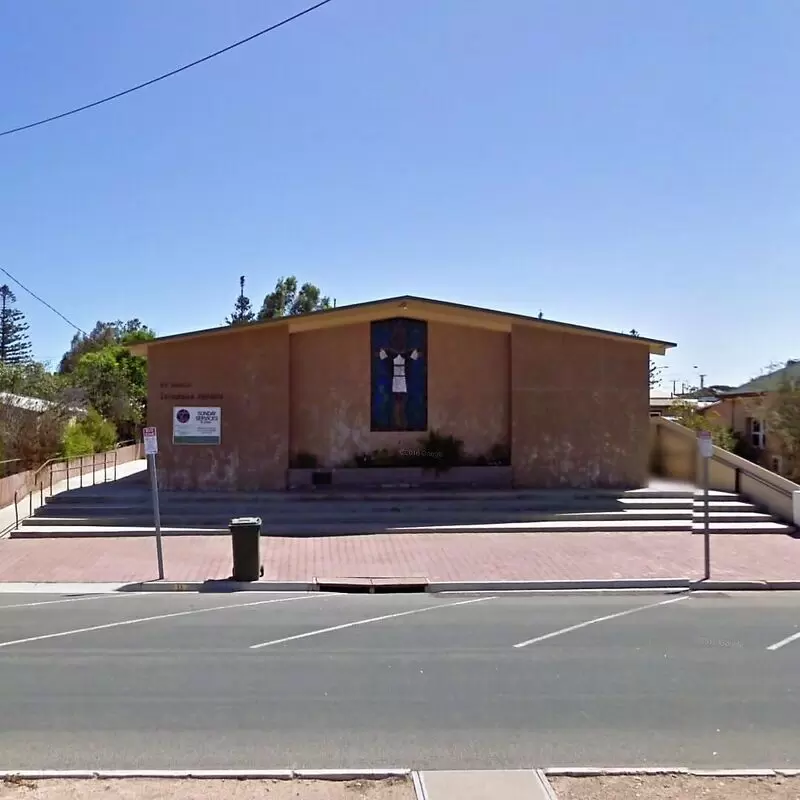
{"points": [[196, 425]]}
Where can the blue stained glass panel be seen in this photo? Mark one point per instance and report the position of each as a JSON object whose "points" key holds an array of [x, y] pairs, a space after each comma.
{"points": [[393, 409]]}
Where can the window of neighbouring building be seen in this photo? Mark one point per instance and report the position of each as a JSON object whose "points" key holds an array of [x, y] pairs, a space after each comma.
{"points": [[756, 432]]}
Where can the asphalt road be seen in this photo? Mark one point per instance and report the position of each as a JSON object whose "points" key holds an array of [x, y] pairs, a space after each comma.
{"points": [[173, 681]]}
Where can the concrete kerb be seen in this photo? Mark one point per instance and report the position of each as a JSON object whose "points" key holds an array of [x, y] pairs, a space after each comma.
{"points": [[651, 584], [219, 586], [206, 774], [596, 587], [597, 772]]}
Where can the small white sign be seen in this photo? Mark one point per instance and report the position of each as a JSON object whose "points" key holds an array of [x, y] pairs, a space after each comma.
{"points": [[150, 441], [196, 425], [704, 443]]}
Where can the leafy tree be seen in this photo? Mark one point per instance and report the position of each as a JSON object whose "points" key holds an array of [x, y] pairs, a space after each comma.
{"points": [[687, 415], [779, 407], [655, 370], [104, 334], [15, 346], [286, 300], [242, 311], [31, 434], [655, 373], [92, 434], [32, 380], [115, 384]]}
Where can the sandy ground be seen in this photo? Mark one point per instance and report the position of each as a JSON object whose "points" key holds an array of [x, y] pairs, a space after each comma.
{"points": [[198, 789], [676, 787]]}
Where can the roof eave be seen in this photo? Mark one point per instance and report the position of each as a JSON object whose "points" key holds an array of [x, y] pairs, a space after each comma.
{"points": [[407, 304]]}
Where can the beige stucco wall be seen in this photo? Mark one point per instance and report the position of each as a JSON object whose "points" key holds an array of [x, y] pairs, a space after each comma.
{"points": [[579, 410], [250, 371], [468, 378], [573, 408]]}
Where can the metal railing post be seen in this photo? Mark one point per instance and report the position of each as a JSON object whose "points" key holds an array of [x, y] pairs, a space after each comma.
{"points": [[41, 493], [115, 465], [16, 511], [81, 471], [30, 501], [51, 480], [105, 467], [67, 463]]}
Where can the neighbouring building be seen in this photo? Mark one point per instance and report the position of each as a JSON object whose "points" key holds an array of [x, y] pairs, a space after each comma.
{"points": [[743, 410], [35, 406], [236, 406], [662, 401]]}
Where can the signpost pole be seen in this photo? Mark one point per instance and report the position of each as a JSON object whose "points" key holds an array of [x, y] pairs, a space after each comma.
{"points": [[706, 447], [706, 522], [151, 449]]}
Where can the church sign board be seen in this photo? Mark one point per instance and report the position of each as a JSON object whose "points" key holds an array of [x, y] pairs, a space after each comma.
{"points": [[196, 425]]}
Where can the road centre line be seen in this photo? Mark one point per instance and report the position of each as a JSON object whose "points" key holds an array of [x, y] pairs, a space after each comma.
{"points": [[68, 600], [586, 624], [171, 615], [365, 622], [788, 640]]}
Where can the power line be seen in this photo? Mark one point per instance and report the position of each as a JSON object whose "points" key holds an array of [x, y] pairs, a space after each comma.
{"points": [[43, 302], [167, 74]]}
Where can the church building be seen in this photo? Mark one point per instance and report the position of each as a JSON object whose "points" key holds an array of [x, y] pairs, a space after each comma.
{"points": [[252, 407]]}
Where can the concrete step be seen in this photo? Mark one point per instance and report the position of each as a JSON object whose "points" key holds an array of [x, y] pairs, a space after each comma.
{"points": [[449, 517], [685, 502], [334, 509], [119, 495], [90, 531], [732, 516], [348, 529], [773, 526]]}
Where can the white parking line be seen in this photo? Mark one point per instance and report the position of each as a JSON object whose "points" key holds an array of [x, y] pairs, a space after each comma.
{"points": [[586, 624], [65, 600], [365, 622], [172, 615], [788, 640]]}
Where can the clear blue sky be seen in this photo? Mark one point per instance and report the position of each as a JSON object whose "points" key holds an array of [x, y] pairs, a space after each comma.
{"points": [[617, 164]]}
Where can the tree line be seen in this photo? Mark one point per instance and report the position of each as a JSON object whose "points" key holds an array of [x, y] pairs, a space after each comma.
{"points": [[95, 397]]}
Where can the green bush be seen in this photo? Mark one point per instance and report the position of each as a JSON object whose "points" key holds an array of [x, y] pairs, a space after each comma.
{"points": [[77, 442], [688, 416], [92, 434]]}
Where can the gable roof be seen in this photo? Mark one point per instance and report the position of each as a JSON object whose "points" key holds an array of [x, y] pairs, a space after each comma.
{"points": [[771, 382], [406, 305]]}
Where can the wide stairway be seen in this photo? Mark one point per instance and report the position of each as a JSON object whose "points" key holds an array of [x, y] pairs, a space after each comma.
{"points": [[125, 508]]}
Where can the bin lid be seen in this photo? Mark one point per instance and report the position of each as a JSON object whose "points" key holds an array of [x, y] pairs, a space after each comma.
{"points": [[246, 521]]}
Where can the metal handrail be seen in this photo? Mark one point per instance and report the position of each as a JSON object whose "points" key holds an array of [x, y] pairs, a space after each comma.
{"points": [[738, 472], [51, 463], [47, 464]]}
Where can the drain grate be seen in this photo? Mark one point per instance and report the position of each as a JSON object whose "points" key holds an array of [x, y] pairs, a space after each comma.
{"points": [[359, 585]]}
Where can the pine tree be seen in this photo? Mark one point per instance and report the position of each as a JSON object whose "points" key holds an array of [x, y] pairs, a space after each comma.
{"points": [[15, 346], [242, 311]]}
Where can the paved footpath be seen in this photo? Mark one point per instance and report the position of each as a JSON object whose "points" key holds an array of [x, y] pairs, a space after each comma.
{"points": [[437, 557]]}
